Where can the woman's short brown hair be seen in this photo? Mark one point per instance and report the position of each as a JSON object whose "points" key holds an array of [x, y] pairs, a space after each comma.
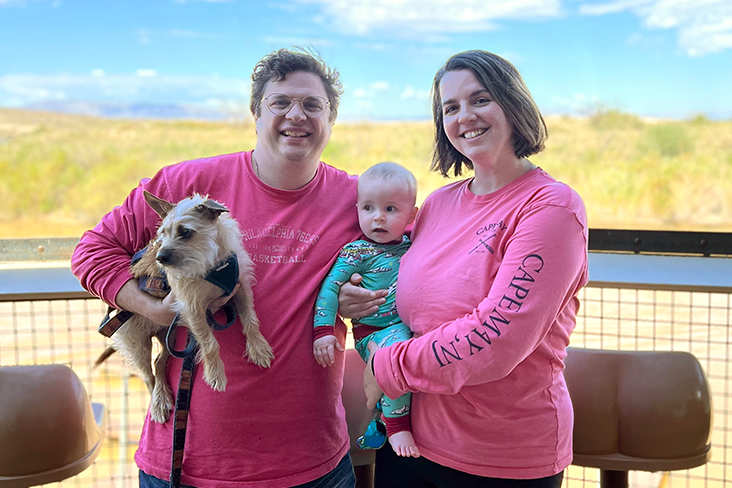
{"points": [[278, 64], [504, 83]]}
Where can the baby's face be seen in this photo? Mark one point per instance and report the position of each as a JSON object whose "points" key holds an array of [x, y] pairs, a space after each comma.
{"points": [[385, 208]]}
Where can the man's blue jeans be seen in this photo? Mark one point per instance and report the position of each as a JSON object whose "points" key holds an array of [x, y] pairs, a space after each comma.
{"points": [[341, 477]]}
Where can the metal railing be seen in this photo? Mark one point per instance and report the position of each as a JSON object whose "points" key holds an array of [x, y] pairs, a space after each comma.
{"points": [[673, 299]]}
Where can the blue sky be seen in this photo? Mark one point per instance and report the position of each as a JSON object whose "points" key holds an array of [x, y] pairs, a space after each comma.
{"points": [[656, 58]]}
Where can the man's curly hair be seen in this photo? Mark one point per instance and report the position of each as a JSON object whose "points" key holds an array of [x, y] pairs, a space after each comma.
{"points": [[278, 64]]}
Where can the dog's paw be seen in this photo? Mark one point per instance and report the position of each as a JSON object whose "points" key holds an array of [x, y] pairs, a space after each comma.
{"points": [[160, 408], [260, 353], [214, 376]]}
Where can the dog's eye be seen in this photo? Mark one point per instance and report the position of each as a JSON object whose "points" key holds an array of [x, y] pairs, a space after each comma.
{"points": [[184, 232]]}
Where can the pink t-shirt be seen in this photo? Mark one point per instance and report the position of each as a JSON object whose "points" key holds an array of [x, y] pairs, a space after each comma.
{"points": [[489, 288], [273, 427]]}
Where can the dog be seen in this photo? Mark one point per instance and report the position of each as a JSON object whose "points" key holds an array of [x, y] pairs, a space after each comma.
{"points": [[195, 236]]}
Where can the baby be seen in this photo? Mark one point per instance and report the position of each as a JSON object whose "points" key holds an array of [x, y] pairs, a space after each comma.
{"points": [[387, 193]]}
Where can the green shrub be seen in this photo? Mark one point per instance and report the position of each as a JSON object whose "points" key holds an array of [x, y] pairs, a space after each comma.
{"points": [[614, 120], [668, 139]]}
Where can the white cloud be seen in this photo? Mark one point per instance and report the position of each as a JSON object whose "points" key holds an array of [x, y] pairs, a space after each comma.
{"points": [[703, 26], [410, 92], [21, 90], [97, 73], [430, 16], [576, 104], [361, 105], [379, 86], [146, 73], [144, 35], [371, 90]]}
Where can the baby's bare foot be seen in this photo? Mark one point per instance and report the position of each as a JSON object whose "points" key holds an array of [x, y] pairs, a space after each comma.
{"points": [[403, 444]]}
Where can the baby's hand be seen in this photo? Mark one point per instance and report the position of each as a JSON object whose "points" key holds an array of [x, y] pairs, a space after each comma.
{"points": [[324, 350]]}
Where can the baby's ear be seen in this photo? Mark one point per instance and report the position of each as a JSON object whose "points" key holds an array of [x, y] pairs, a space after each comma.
{"points": [[413, 215]]}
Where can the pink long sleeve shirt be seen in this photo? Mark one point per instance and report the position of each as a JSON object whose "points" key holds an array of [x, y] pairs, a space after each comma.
{"points": [[489, 288], [275, 427]]}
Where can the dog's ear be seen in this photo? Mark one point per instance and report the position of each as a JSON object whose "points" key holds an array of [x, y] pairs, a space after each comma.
{"points": [[211, 209], [160, 206]]}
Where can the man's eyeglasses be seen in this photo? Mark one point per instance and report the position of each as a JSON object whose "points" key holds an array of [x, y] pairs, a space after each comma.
{"points": [[281, 104]]}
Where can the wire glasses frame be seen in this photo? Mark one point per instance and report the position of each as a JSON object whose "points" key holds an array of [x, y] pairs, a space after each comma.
{"points": [[281, 104]]}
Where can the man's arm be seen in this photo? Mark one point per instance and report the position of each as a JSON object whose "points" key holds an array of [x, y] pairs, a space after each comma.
{"points": [[355, 302], [101, 260], [132, 299]]}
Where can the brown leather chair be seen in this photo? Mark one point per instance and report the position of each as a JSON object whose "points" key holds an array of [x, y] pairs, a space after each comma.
{"points": [[638, 411], [49, 430], [358, 417]]}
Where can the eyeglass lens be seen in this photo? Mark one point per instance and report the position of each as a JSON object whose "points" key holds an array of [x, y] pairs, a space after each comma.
{"points": [[280, 104]]}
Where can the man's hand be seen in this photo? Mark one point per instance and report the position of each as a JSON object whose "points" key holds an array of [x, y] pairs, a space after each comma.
{"points": [[355, 302], [130, 298], [324, 350], [218, 303], [370, 386]]}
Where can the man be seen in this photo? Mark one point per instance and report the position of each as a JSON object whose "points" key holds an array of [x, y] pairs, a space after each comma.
{"points": [[277, 427]]}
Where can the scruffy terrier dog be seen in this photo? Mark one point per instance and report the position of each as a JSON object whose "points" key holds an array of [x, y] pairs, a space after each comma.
{"points": [[194, 236]]}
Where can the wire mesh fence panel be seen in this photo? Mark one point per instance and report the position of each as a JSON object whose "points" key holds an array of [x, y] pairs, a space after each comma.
{"points": [[64, 331], [654, 320]]}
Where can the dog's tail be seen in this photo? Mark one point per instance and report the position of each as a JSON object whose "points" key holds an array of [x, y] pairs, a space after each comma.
{"points": [[103, 357]]}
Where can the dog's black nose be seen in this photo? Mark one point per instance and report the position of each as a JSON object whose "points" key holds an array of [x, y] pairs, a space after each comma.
{"points": [[164, 256]]}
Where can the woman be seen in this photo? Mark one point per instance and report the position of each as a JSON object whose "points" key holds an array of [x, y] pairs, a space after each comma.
{"points": [[489, 288]]}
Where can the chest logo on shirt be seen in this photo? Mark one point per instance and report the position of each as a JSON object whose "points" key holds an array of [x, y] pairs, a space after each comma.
{"points": [[484, 234], [278, 244]]}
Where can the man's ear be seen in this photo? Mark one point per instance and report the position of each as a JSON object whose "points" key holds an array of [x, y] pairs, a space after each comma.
{"points": [[413, 215]]}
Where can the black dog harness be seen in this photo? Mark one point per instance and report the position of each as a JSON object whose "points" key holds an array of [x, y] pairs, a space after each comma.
{"points": [[225, 275]]}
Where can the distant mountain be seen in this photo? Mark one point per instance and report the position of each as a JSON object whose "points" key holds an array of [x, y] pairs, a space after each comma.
{"points": [[138, 110]]}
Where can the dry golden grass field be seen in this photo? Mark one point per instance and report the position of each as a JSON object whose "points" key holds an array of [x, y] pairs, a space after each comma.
{"points": [[61, 173]]}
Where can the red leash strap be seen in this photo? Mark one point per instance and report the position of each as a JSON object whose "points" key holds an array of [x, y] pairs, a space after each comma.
{"points": [[182, 406]]}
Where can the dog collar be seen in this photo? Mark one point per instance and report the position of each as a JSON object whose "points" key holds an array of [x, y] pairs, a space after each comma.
{"points": [[225, 274]]}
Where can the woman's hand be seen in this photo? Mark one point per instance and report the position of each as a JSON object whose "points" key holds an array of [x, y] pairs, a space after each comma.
{"points": [[355, 302], [370, 386]]}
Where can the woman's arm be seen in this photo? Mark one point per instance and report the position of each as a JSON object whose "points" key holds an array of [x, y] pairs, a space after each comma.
{"points": [[544, 265]]}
